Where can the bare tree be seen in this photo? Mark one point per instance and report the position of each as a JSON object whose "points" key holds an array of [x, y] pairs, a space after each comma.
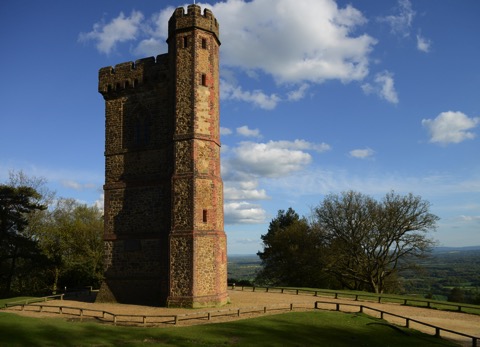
{"points": [[371, 241]]}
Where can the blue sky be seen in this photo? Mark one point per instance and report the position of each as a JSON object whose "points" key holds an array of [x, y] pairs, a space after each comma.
{"points": [[317, 97]]}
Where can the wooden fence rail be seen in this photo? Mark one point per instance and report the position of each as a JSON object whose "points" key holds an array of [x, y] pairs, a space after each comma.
{"points": [[174, 319], [428, 303], [32, 300], [408, 320]]}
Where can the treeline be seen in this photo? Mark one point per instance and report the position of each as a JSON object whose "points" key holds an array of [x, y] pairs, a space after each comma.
{"points": [[452, 275], [47, 243], [351, 241]]}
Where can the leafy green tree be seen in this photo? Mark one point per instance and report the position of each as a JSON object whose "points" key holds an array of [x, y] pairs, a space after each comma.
{"points": [[16, 246], [370, 241], [71, 237], [292, 254]]}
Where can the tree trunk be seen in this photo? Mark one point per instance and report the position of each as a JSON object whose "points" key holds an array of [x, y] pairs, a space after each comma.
{"points": [[55, 280], [12, 270]]}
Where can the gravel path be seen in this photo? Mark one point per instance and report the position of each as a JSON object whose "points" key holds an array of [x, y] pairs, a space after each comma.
{"points": [[461, 322]]}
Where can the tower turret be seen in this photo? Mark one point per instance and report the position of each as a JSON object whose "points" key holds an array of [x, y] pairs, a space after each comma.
{"points": [[198, 266]]}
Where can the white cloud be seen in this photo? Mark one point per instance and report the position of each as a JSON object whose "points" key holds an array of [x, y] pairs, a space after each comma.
{"points": [[470, 218], [308, 42], [76, 185], [149, 47], [362, 153], [236, 193], [298, 94], [256, 97], [423, 44], [247, 132], [120, 29], [99, 203], [248, 163], [400, 23], [451, 127], [269, 159], [244, 213], [383, 86], [327, 48], [225, 131]]}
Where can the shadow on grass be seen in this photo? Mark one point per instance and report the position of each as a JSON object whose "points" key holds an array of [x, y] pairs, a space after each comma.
{"points": [[289, 329]]}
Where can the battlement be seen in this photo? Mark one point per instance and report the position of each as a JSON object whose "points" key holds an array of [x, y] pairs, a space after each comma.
{"points": [[132, 74], [193, 18]]}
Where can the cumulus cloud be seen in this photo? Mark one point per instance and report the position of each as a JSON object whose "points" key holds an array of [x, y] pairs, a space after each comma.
{"points": [[470, 218], [76, 185], [236, 193], [244, 213], [362, 153], [225, 131], [257, 97], [297, 94], [244, 166], [330, 47], [270, 159], [120, 29], [451, 127], [99, 203], [423, 44], [247, 132], [384, 86], [401, 22]]}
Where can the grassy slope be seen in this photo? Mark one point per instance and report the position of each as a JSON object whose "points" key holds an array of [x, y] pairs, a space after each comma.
{"points": [[289, 329]]}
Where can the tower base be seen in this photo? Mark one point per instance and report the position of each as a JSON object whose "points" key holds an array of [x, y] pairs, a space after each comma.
{"points": [[198, 301], [134, 292]]}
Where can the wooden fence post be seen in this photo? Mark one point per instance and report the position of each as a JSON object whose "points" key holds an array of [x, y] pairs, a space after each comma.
{"points": [[291, 307]]}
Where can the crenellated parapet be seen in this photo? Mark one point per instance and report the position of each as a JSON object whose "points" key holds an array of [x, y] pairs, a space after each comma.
{"points": [[125, 76], [193, 18]]}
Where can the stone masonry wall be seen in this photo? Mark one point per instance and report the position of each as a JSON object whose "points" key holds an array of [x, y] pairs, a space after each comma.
{"points": [[164, 238]]}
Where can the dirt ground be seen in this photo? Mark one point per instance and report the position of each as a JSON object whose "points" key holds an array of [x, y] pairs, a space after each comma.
{"points": [[250, 301]]}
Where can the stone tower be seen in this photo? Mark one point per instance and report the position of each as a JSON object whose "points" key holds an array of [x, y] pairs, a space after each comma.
{"points": [[164, 237]]}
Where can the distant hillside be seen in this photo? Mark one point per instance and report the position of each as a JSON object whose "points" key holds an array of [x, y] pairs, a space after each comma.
{"points": [[455, 249]]}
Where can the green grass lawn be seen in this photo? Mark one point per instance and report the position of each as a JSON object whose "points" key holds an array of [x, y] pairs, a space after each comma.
{"points": [[289, 329]]}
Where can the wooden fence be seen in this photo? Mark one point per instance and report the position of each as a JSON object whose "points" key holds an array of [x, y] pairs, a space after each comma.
{"points": [[408, 320], [368, 297], [208, 315], [32, 300], [152, 319]]}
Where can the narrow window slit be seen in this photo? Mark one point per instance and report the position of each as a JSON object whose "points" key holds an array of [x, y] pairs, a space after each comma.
{"points": [[204, 216]]}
